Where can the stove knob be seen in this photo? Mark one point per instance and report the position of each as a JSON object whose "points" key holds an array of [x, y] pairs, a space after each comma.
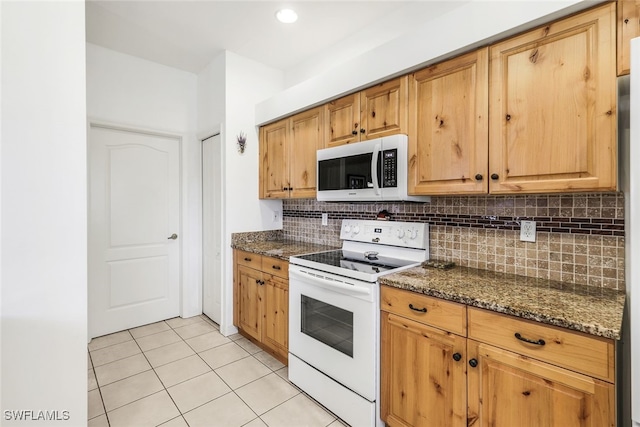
{"points": [[400, 233], [414, 233], [347, 228], [356, 229]]}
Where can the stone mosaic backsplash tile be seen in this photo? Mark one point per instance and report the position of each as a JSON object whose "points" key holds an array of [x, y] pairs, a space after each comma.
{"points": [[580, 237]]}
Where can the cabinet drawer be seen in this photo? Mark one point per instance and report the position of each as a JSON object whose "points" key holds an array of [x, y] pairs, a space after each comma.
{"points": [[275, 266], [580, 352], [249, 259], [442, 314]]}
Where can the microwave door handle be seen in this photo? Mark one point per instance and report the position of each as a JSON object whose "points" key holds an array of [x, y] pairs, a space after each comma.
{"points": [[374, 169]]}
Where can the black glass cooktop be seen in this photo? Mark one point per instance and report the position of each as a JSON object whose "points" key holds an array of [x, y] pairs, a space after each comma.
{"points": [[352, 261]]}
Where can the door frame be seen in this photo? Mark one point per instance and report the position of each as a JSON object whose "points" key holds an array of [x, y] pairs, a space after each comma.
{"points": [[179, 138]]}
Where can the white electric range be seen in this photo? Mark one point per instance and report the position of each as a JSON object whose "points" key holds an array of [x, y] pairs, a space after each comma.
{"points": [[334, 314]]}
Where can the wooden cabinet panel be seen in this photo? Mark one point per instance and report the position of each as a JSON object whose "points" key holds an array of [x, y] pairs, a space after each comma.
{"points": [[449, 126], [421, 384], [383, 109], [507, 390], [446, 315], [573, 350], [275, 266], [628, 28], [249, 259], [276, 314], [375, 112], [261, 301], [274, 170], [342, 120], [553, 107], [305, 139], [250, 295]]}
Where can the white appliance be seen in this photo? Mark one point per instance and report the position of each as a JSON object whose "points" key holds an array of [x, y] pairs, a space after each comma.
{"points": [[334, 314], [369, 171], [631, 176]]}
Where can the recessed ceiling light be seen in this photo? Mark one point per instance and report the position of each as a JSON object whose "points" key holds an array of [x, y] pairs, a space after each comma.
{"points": [[287, 16]]}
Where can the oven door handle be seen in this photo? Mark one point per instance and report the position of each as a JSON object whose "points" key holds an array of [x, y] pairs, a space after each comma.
{"points": [[328, 284]]}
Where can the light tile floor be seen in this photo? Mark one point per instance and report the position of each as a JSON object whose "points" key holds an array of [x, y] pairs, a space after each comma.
{"points": [[183, 372]]}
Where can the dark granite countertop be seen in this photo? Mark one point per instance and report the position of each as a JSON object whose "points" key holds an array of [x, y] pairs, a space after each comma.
{"points": [[593, 310], [272, 243]]}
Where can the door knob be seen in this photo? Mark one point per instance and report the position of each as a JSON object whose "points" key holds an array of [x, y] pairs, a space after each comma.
{"points": [[174, 236]]}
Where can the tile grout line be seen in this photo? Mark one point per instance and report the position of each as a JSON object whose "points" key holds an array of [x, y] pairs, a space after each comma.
{"points": [[99, 392]]}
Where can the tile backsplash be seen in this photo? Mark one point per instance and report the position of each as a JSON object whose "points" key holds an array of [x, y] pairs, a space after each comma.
{"points": [[580, 237]]}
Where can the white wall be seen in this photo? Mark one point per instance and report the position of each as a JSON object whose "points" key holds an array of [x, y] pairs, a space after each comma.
{"points": [[133, 92], [43, 211], [228, 90], [470, 25]]}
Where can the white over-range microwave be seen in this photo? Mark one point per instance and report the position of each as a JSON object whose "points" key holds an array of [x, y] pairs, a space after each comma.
{"points": [[368, 171]]}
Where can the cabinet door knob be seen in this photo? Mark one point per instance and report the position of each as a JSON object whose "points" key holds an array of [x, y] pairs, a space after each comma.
{"points": [[422, 310], [362, 130], [494, 176], [457, 357], [473, 363], [258, 281], [355, 132], [508, 117], [478, 177]]}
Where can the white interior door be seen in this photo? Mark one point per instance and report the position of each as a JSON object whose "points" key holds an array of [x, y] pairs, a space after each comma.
{"points": [[212, 227], [134, 209]]}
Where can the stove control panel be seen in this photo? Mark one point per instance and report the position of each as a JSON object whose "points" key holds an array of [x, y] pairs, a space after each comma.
{"points": [[406, 234]]}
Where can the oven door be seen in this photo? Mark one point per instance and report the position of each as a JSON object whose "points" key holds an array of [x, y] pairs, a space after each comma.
{"points": [[333, 325]]}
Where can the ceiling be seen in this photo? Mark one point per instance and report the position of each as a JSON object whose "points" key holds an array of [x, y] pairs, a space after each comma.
{"points": [[189, 34]]}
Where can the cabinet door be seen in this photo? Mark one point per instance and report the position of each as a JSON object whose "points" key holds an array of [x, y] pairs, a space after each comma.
{"points": [[306, 138], [449, 126], [628, 28], [342, 120], [506, 390], [383, 109], [552, 126], [250, 301], [421, 382], [274, 166], [276, 314]]}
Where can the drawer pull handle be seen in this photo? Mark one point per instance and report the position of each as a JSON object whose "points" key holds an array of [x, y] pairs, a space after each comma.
{"points": [[521, 338], [422, 310], [276, 267], [247, 259]]}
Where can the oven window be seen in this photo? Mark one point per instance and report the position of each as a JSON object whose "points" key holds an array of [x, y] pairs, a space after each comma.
{"points": [[328, 324]]}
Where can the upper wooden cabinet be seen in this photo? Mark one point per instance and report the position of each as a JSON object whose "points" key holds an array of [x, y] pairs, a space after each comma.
{"points": [[288, 155], [449, 126], [552, 121], [628, 28], [372, 113]]}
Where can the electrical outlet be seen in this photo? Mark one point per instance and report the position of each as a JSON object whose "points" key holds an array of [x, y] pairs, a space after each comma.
{"points": [[528, 231], [276, 216], [325, 219]]}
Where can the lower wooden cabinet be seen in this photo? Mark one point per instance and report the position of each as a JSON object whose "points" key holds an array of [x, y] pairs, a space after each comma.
{"points": [[508, 372], [423, 374], [508, 389], [261, 301]]}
